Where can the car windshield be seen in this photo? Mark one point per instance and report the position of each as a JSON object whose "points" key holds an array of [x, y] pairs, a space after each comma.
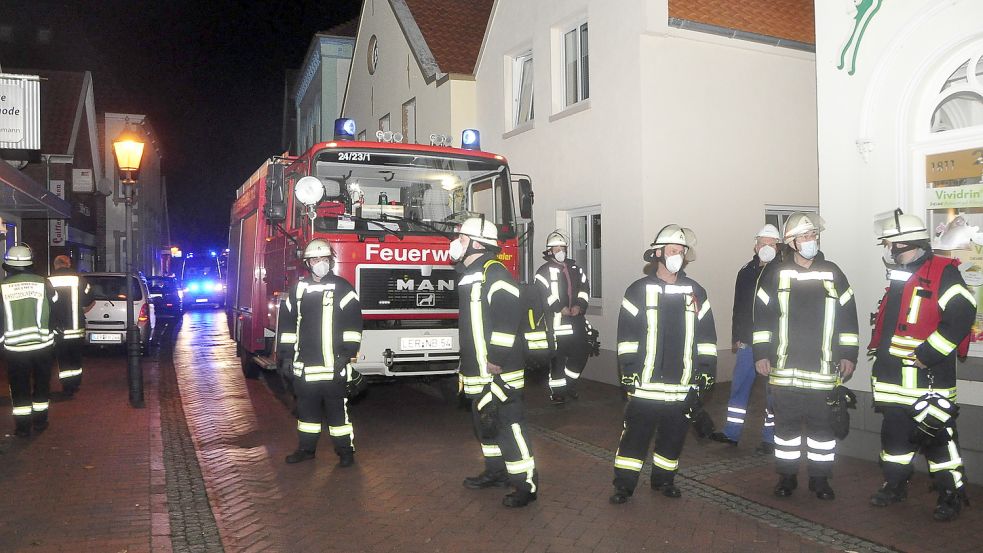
{"points": [[162, 284], [200, 268], [112, 287], [408, 191]]}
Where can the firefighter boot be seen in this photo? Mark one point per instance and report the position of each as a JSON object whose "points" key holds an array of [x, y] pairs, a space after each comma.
{"points": [[889, 494], [620, 496], [346, 459], [487, 480], [23, 429], [786, 485], [519, 499], [299, 455], [820, 485], [949, 505], [667, 487], [558, 399]]}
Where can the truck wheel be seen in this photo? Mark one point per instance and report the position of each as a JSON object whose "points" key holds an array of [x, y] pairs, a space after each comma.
{"points": [[249, 367]]}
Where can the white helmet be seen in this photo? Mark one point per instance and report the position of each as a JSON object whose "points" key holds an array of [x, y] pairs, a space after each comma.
{"points": [[900, 227], [556, 238], [480, 230], [19, 256], [318, 248], [768, 231], [800, 223], [675, 234]]}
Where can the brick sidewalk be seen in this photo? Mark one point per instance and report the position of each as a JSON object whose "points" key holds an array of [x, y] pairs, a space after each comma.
{"points": [[93, 481]]}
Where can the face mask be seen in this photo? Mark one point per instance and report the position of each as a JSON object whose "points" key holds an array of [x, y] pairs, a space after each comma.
{"points": [[674, 263], [321, 268], [766, 253], [560, 256], [809, 249], [456, 250]]}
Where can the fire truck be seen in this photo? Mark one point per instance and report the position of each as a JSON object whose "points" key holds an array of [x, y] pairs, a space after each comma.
{"points": [[389, 210]]}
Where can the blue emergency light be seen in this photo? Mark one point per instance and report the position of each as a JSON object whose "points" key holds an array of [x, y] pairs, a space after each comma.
{"points": [[344, 129], [212, 253], [471, 139]]}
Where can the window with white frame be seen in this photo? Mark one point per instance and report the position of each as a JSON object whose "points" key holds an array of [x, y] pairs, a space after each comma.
{"points": [[409, 121], [585, 244], [523, 109], [384, 124], [576, 72], [778, 214]]}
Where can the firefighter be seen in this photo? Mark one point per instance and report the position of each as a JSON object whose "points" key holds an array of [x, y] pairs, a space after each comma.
{"points": [[566, 291], [667, 353], [319, 330], [922, 324], [765, 249], [74, 292], [28, 338], [805, 340], [492, 368]]}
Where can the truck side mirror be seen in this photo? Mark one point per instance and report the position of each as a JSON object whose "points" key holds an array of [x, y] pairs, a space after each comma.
{"points": [[526, 196], [276, 204]]}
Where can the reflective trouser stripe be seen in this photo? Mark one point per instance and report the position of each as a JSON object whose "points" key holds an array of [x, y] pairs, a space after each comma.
{"points": [[627, 463], [22, 411], [783, 448], [527, 464], [309, 427], [570, 374], [491, 450], [903, 459], [344, 430], [69, 373], [664, 463], [40, 406], [736, 415]]}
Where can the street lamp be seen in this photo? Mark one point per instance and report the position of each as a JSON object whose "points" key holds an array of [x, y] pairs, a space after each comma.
{"points": [[128, 148]]}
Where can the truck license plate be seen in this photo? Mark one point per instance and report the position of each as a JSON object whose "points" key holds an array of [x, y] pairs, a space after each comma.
{"points": [[425, 343], [105, 338]]}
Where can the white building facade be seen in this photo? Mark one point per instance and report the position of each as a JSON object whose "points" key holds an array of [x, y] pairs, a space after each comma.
{"points": [[900, 103], [627, 121]]}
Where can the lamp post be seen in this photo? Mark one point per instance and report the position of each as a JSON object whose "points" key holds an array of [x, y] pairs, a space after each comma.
{"points": [[128, 147]]}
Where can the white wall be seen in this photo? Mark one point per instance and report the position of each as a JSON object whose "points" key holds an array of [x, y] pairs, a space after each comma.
{"points": [[442, 106], [681, 127]]}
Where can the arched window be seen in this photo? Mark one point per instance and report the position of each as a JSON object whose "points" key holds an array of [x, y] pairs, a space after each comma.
{"points": [[960, 101]]}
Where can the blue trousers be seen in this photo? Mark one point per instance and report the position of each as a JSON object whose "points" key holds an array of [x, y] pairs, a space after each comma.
{"points": [[740, 392]]}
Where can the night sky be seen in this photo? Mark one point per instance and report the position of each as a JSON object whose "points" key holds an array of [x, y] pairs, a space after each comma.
{"points": [[209, 73]]}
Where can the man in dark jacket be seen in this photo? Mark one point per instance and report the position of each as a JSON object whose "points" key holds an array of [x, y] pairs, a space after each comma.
{"points": [[667, 352], [492, 364]]}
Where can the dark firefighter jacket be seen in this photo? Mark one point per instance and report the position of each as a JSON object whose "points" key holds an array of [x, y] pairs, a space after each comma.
{"points": [[26, 300], [744, 288], [74, 296], [563, 285]]}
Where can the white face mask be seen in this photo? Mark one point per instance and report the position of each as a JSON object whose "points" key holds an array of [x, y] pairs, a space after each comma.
{"points": [[321, 268], [456, 250], [674, 263], [766, 253], [560, 256], [809, 249]]}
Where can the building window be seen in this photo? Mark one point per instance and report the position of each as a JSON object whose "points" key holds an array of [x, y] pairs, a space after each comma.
{"points": [[409, 122], [523, 109], [361, 136], [585, 244], [384, 123], [576, 73], [960, 102], [778, 214]]}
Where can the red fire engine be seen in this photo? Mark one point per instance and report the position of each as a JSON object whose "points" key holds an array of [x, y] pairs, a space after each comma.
{"points": [[388, 210]]}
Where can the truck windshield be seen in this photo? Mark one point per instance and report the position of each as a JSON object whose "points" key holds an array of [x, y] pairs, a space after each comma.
{"points": [[414, 191]]}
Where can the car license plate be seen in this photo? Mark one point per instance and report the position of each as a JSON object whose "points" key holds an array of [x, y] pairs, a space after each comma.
{"points": [[425, 343], [105, 338], [201, 300]]}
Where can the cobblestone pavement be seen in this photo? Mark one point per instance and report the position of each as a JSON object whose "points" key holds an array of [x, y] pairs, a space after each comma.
{"points": [[201, 469]]}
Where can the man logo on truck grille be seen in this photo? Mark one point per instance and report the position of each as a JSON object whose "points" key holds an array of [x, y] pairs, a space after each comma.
{"points": [[426, 300]]}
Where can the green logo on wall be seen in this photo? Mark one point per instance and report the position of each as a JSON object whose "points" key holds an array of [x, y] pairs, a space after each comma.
{"points": [[866, 9]]}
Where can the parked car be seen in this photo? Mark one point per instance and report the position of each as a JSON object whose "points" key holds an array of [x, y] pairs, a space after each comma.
{"points": [[167, 297], [105, 323]]}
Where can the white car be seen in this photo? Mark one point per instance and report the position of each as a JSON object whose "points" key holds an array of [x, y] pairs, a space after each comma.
{"points": [[105, 322]]}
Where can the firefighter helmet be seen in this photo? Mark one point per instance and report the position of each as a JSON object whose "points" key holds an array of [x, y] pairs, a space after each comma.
{"points": [[19, 256], [480, 230], [675, 234], [768, 231], [556, 238], [318, 248], [901, 227], [800, 223], [933, 414]]}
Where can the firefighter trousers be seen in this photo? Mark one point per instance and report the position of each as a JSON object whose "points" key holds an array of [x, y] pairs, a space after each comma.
{"points": [[797, 409], [320, 402], [898, 451], [569, 360], [510, 450], [740, 393], [68, 352], [643, 417], [29, 375]]}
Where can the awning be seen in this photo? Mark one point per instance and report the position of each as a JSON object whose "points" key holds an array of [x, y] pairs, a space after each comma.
{"points": [[20, 195]]}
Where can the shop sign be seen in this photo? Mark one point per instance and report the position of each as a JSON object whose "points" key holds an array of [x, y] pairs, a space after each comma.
{"points": [[970, 195], [82, 181], [20, 117], [57, 228]]}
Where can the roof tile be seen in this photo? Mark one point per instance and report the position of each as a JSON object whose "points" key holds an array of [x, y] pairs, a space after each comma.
{"points": [[788, 19], [453, 29]]}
